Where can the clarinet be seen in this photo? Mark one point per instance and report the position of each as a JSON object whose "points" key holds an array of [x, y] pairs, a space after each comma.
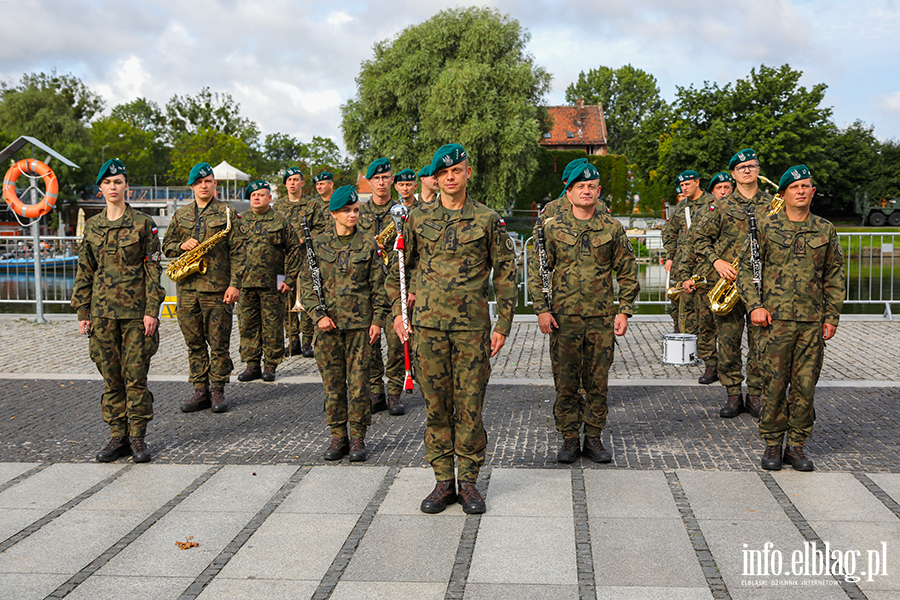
{"points": [[545, 266], [755, 259], [313, 264]]}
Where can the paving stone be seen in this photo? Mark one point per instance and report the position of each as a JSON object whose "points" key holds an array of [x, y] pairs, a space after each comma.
{"points": [[117, 588], [12, 470], [734, 496], [334, 490], [55, 485], [621, 494], [865, 538], [143, 490], [237, 488], [407, 492], [652, 593], [517, 591], [832, 497], [29, 586], [394, 590], [532, 492], [534, 550], [258, 589]]}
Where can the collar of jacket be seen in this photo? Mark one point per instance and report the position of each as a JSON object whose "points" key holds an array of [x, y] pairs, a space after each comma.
{"points": [[127, 219], [567, 218], [334, 242], [466, 213], [266, 216], [791, 227]]}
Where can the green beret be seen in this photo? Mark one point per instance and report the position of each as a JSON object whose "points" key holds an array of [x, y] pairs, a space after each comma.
{"points": [[342, 196], [382, 165], [323, 176], [720, 177], [741, 157], [292, 171], [447, 156], [199, 171], [259, 184], [585, 172], [567, 172], [793, 174], [113, 166], [405, 175], [426, 171], [678, 189], [687, 176]]}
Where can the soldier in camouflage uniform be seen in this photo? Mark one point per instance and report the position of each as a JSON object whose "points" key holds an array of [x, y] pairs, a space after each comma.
{"points": [[721, 185], [451, 247], [430, 188], [294, 207], [206, 300], [117, 296], [674, 241], [319, 218], [374, 216], [405, 184], [584, 246], [718, 240], [562, 202], [689, 212], [796, 306], [352, 280], [272, 248]]}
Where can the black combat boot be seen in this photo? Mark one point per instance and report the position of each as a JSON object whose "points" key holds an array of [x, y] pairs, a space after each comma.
{"points": [[296, 348], [471, 499], [594, 450], [793, 455], [338, 448], [395, 405], [307, 351], [771, 458], [570, 450], [753, 405], [198, 401], [115, 449], [709, 376], [357, 450], [218, 400], [379, 401], [269, 373], [444, 493], [140, 452], [733, 407], [251, 373]]}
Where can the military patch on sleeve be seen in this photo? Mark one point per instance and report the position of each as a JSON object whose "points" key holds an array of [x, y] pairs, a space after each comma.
{"points": [[154, 230], [509, 244], [155, 257], [626, 243]]}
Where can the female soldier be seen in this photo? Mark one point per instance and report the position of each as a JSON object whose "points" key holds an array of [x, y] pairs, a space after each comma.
{"points": [[117, 296]]}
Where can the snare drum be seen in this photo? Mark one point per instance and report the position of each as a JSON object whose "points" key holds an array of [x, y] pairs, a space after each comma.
{"points": [[679, 349]]}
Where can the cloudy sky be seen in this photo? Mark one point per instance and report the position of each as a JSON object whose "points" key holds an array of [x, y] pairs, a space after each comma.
{"points": [[291, 64]]}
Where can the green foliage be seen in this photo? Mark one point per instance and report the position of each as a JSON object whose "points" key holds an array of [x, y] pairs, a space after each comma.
{"points": [[143, 114], [208, 111], [629, 96], [462, 76], [211, 146], [140, 149], [546, 182]]}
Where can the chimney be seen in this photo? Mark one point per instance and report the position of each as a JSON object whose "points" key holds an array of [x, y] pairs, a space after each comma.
{"points": [[580, 103]]}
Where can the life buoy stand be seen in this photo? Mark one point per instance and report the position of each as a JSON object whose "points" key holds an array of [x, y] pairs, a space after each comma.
{"points": [[36, 167]]}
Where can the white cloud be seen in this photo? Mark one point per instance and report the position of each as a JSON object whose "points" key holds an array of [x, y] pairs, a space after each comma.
{"points": [[889, 103], [338, 18]]}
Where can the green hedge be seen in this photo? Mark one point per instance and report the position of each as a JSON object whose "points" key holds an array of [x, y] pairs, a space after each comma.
{"points": [[546, 183]]}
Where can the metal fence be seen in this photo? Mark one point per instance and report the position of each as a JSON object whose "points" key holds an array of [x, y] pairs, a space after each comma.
{"points": [[871, 267]]}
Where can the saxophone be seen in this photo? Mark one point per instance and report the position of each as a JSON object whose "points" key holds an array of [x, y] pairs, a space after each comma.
{"points": [[724, 295], [194, 260]]}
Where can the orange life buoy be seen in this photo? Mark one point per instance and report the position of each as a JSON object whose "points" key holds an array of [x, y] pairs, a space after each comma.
{"points": [[30, 211]]}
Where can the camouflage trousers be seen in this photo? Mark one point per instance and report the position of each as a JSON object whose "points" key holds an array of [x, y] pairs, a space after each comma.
{"points": [[706, 328], [583, 348], [791, 353], [454, 369], [261, 322], [206, 323], [396, 363], [297, 323], [730, 331], [343, 358], [122, 354]]}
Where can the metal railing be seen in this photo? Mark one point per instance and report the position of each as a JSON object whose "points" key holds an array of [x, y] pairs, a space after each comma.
{"points": [[871, 268]]}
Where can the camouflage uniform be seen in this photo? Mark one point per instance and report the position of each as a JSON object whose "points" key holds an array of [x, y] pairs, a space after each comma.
{"points": [[802, 288], [720, 235], [582, 256], [372, 219], [117, 285], [675, 235], [689, 264], [272, 248], [297, 323], [202, 315], [552, 208], [449, 256], [353, 287]]}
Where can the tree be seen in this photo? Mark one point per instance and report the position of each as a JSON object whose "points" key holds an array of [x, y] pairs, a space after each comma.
{"points": [[143, 114], [629, 96], [211, 146], [143, 153], [462, 76], [209, 110]]}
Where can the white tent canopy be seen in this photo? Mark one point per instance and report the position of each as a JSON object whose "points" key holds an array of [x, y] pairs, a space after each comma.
{"points": [[225, 172]]}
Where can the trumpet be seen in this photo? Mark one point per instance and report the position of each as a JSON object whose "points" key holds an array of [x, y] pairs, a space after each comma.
{"points": [[674, 292]]}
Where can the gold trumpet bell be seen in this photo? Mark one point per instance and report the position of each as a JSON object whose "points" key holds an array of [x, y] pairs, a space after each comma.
{"points": [[297, 307]]}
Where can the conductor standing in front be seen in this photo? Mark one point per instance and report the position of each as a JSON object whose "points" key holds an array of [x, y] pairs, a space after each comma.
{"points": [[451, 247], [794, 294]]}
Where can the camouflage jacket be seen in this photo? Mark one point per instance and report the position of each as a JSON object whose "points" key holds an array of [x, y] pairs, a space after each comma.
{"points": [[225, 260], [449, 259], [352, 281], [294, 212], [676, 230], [318, 217], [374, 218], [721, 233], [118, 268], [687, 262], [272, 249], [582, 256], [553, 208], [802, 272]]}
